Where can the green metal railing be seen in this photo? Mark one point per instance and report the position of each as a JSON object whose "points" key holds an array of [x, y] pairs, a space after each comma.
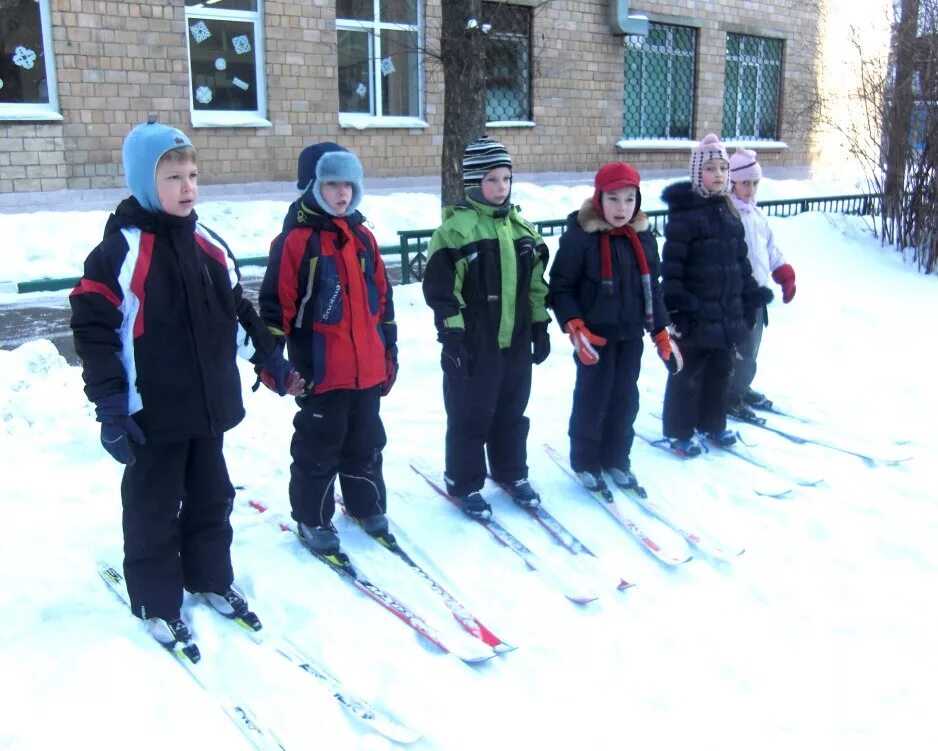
{"points": [[414, 242]]}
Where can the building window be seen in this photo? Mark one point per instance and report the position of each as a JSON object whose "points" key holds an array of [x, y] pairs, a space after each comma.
{"points": [[226, 60], [507, 62], [659, 83], [751, 91], [379, 58], [27, 65]]}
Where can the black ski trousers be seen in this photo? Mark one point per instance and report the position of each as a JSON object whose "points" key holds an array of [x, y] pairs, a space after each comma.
{"points": [[485, 414], [605, 403], [176, 507], [697, 396], [744, 362], [338, 433]]}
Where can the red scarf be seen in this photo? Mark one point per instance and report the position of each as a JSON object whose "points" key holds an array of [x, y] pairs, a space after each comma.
{"points": [[605, 260]]}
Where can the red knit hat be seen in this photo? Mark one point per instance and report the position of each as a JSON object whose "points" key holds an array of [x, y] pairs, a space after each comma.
{"points": [[613, 176]]}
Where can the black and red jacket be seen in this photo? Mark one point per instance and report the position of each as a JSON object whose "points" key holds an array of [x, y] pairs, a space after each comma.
{"points": [[156, 319], [326, 290]]}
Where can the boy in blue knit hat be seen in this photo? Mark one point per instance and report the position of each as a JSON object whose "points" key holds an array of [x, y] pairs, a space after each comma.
{"points": [[326, 292], [156, 320]]}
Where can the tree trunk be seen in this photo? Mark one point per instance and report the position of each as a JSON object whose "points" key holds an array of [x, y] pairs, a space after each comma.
{"points": [[462, 51], [899, 118]]}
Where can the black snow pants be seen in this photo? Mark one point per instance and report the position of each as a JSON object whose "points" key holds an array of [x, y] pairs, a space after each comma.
{"points": [[337, 433], [176, 507], [697, 396], [605, 403], [485, 415]]}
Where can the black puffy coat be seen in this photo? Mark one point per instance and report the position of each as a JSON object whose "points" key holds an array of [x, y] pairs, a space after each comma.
{"points": [[706, 277], [156, 320], [575, 278]]}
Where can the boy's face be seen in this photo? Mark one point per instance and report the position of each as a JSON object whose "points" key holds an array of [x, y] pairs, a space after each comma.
{"points": [[496, 185], [746, 190], [714, 174], [177, 186], [619, 205], [337, 195]]}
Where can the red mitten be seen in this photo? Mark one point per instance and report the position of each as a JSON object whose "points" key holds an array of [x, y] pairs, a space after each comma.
{"points": [[583, 340], [785, 276], [668, 351]]}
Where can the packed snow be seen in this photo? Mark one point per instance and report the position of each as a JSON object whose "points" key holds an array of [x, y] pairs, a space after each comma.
{"points": [[820, 636]]}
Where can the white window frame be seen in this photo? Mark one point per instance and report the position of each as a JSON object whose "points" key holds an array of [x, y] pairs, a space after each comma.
{"points": [[761, 62], [49, 110], [231, 118], [374, 28]]}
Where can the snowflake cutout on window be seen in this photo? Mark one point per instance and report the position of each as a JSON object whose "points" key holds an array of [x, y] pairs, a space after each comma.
{"points": [[203, 95], [24, 57], [1, 83], [387, 67], [240, 84], [220, 63], [241, 44], [199, 32], [361, 90]]}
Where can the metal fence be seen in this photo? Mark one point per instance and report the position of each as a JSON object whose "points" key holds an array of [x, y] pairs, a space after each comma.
{"points": [[414, 242]]}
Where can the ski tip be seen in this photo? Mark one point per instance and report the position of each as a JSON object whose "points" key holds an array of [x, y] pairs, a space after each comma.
{"points": [[582, 599], [624, 585], [503, 648]]}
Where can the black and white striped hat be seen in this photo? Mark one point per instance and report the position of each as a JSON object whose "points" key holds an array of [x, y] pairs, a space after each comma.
{"points": [[481, 157]]}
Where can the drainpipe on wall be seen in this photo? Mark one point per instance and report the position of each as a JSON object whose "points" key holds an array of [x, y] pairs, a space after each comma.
{"points": [[620, 22]]}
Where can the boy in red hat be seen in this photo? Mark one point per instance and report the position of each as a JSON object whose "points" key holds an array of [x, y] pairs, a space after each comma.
{"points": [[604, 291]]}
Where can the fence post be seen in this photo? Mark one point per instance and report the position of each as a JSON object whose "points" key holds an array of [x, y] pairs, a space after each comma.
{"points": [[405, 259]]}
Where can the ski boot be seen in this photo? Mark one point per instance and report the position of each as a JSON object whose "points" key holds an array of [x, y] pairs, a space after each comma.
{"points": [[522, 493], [474, 505]]}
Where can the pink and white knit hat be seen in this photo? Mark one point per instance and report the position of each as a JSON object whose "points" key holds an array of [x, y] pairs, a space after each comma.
{"points": [[709, 148], [744, 165]]}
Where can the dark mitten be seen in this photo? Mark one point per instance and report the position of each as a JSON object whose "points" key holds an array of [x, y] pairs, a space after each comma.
{"points": [[540, 342], [683, 325], [118, 429], [277, 374], [454, 359], [750, 316], [785, 276], [390, 368]]}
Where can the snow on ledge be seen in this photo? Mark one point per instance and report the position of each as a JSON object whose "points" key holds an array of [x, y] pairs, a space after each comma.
{"points": [[682, 144], [361, 122]]}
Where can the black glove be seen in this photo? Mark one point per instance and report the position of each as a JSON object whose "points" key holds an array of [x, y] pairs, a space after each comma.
{"points": [[540, 342], [118, 428], [277, 374], [454, 359], [390, 369], [750, 315], [683, 325]]}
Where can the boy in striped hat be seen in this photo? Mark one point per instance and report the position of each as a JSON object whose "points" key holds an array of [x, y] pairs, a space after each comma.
{"points": [[484, 280]]}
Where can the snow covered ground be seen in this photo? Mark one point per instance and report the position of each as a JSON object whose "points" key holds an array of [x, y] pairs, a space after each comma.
{"points": [[821, 635]]}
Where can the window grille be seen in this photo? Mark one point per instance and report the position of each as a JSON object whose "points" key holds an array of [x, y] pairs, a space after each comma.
{"points": [[379, 57], [507, 62], [660, 72], [225, 57], [751, 91], [27, 66]]}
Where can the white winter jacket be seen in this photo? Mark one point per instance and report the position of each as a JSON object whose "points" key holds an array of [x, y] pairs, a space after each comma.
{"points": [[764, 255]]}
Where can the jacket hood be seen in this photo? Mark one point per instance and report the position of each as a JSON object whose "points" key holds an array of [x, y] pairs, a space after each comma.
{"points": [[129, 213], [301, 214], [590, 220]]}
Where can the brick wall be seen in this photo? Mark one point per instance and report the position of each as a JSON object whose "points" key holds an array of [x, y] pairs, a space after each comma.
{"points": [[118, 62]]}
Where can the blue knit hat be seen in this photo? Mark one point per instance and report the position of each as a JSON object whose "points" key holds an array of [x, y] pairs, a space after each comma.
{"points": [[329, 162], [144, 146]]}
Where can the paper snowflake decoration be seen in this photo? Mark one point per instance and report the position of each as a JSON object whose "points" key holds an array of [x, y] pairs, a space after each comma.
{"points": [[241, 44], [387, 67], [240, 84], [361, 90], [24, 57], [199, 32], [220, 63], [203, 95]]}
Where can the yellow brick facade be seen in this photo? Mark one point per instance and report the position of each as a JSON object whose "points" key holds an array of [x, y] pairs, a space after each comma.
{"points": [[118, 62]]}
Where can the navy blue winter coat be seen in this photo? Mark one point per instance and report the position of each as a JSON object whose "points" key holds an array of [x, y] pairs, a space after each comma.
{"points": [[575, 278], [706, 277]]}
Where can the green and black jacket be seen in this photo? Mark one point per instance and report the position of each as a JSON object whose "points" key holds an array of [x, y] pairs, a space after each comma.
{"points": [[485, 274]]}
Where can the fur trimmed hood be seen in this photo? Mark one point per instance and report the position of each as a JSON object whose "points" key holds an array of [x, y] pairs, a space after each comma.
{"points": [[590, 220]]}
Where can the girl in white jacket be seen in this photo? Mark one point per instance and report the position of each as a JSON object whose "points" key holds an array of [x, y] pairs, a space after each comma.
{"points": [[767, 263]]}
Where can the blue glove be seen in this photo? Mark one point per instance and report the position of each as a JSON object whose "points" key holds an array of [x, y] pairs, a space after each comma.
{"points": [[118, 428], [277, 374]]}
